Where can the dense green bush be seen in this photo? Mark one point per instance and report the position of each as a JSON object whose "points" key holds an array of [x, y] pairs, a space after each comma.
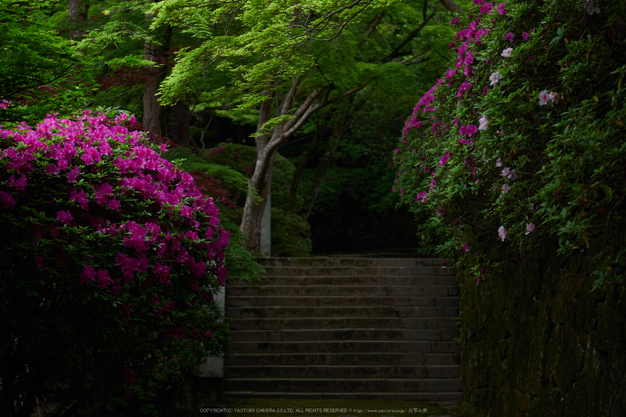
{"points": [[110, 260], [291, 235], [524, 138]]}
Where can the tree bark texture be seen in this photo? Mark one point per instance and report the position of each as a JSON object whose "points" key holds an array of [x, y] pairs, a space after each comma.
{"points": [[151, 107], [267, 147], [78, 13]]}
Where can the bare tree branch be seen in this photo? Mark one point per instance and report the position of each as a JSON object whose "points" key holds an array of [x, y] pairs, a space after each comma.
{"points": [[396, 52], [406, 61]]}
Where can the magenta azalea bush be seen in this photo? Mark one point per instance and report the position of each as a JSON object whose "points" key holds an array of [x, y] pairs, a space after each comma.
{"points": [[522, 140], [109, 263]]}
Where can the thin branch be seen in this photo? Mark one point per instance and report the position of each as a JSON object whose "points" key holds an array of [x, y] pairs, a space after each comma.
{"points": [[345, 24], [396, 52], [290, 96], [406, 61], [374, 24]]}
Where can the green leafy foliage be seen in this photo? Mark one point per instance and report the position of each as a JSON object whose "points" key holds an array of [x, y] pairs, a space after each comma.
{"points": [[40, 73], [290, 233]]}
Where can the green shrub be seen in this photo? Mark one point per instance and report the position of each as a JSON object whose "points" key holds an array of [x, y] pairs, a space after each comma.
{"points": [[290, 234], [524, 138]]}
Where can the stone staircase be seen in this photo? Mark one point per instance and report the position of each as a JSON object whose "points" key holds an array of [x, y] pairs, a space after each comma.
{"points": [[345, 328]]}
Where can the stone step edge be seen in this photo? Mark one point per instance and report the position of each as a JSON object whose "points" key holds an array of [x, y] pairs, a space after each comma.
{"points": [[424, 396], [345, 366], [431, 380], [340, 318]]}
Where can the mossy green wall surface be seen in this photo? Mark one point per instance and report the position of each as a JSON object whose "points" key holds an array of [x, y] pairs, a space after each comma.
{"points": [[537, 342]]}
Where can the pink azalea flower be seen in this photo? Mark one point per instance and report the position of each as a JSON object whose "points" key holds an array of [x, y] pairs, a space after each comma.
{"points": [[543, 97], [553, 97], [88, 275], [529, 228], [454, 21], [525, 36], [80, 197], [505, 188], [51, 169], [104, 279], [465, 247], [444, 158], [498, 162], [465, 85], [73, 174], [64, 216], [114, 204], [509, 173], [7, 202], [507, 52], [483, 123], [495, 77], [486, 8], [509, 36], [468, 130], [501, 9], [502, 233]]}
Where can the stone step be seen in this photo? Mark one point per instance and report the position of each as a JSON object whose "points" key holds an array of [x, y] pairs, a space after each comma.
{"points": [[345, 327], [342, 359], [342, 323], [342, 347], [340, 311], [259, 301], [435, 397], [415, 335], [353, 270], [351, 261], [342, 385], [342, 290], [346, 372], [352, 280]]}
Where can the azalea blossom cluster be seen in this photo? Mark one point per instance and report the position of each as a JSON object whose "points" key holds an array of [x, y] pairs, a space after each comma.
{"points": [[457, 135], [107, 241], [107, 172]]}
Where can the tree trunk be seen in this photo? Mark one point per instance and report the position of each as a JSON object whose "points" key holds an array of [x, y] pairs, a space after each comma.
{"points": [[152, 113], [78, 13], [259, 183], [151, 106]]}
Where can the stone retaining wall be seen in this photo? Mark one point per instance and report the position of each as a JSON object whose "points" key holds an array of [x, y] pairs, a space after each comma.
{"points": [[537, 342]]}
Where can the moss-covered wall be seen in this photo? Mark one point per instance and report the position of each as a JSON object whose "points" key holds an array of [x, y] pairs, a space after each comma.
{"points": [[537, 342]]}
